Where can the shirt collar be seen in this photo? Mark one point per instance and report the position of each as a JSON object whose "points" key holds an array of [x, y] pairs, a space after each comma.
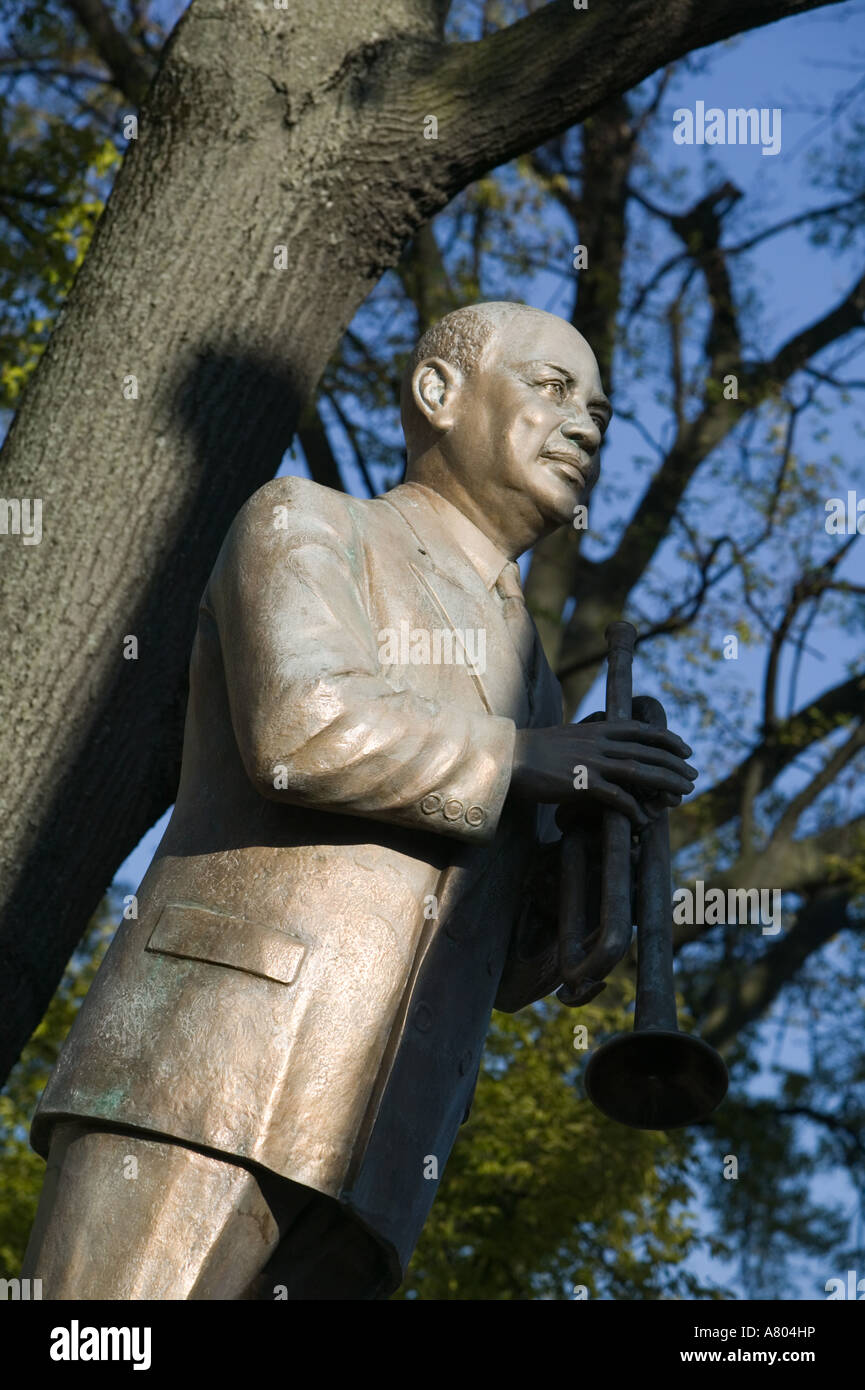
{"points": [[486, 557]]}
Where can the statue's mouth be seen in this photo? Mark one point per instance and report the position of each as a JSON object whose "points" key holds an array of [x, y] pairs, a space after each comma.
{"points": [[569, 464]]}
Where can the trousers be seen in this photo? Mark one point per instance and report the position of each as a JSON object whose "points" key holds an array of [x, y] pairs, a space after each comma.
{"points": [[130, 1216]]}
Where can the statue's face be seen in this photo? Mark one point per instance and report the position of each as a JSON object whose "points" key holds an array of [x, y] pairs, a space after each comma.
{"points": [[525, 427]]}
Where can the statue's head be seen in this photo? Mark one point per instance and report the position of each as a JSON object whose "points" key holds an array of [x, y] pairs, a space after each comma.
{"points": [[503, 412]]}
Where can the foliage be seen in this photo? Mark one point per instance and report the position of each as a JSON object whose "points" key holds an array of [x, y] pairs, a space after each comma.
{"points": [[59, 151], [543, 1194]]}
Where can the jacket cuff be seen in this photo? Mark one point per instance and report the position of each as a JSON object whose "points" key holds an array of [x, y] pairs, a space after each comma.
{"points": [[469, 805]]}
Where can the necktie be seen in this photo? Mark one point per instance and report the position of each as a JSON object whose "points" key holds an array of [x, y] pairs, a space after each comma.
{"points": [[520, 626]]}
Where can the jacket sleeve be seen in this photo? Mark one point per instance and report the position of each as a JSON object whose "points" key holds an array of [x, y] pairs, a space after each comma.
{"points": [[316, 722]]}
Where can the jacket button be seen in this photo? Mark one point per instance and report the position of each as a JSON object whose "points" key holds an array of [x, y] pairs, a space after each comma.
{"points": [[475, 815], [431, 803], [453, 810], [465, 1062], [423, 1017]]}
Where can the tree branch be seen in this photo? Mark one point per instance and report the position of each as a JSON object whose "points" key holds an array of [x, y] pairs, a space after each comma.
{"points": [[131, 70], [808, 725], [739, 247], [806, 344], [824, 778], [809, 586], [734, 1002], [319, 456], [531, 66], [851, 1129], [700, 230], [792, 866]]}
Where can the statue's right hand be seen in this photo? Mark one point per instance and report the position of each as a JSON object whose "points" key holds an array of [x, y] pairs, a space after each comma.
{"points": [[613, 764]]}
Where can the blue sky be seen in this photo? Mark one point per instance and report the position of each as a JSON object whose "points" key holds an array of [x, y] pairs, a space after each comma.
{"points": [[800, 66]]}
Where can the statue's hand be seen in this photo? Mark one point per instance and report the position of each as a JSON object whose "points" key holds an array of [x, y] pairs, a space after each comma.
{"points": [[666, 800], [621, 765]]}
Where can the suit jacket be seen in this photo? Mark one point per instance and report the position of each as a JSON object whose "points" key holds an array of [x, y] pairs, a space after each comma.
{"points": [[344, 889]]}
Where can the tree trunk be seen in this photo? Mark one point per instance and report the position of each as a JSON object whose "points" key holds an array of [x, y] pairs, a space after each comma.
{"points": [[263, 128], [180, 290]]}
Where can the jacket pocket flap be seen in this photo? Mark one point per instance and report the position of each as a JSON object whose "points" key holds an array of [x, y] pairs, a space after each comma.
{"points": [[197, 933]]}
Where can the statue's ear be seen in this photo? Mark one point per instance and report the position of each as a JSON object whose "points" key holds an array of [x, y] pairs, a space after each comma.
{"points": [[435, 386]]}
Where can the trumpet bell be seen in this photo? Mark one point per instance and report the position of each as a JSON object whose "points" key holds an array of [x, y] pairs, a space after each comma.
{"points": [[656, 1079]]}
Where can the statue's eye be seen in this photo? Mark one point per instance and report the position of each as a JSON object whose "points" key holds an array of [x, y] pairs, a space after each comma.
{"points": [[558, 387]]}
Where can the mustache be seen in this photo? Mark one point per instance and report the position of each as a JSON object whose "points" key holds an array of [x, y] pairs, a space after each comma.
{"points": [[566, 456], [589, 466]]}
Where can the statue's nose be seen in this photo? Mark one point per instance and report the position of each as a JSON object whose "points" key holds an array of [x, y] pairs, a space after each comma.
{"points": [[581, 428]]}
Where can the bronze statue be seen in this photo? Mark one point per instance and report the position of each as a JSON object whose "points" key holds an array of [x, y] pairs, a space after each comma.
{"points": [[361, 862]]}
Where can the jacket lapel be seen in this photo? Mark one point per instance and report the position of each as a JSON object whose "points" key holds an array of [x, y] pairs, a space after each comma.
{"points": [[460, 596]]}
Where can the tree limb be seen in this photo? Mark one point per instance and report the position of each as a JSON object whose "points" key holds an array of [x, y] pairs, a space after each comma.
{"points": [[734, 1002], [809, 724], [319, 456], [823, 779], [792, 866], [528, 69], [131, 70]]}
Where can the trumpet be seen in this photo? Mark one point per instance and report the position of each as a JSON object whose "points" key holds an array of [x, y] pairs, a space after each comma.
{"points": [[655, 1077]]}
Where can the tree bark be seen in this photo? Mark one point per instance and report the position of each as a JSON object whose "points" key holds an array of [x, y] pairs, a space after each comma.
{"points": [[261, 128]]}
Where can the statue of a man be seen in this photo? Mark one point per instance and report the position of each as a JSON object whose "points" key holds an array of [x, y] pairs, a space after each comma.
{"points": [[268, 1075]]}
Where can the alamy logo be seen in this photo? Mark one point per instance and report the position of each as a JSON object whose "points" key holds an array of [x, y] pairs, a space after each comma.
{"points": [[20, 1289], [845, 520], [76, 1343], [739, 906], [21, 518], [438, 646], [736, 126], [836, 1288]]}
